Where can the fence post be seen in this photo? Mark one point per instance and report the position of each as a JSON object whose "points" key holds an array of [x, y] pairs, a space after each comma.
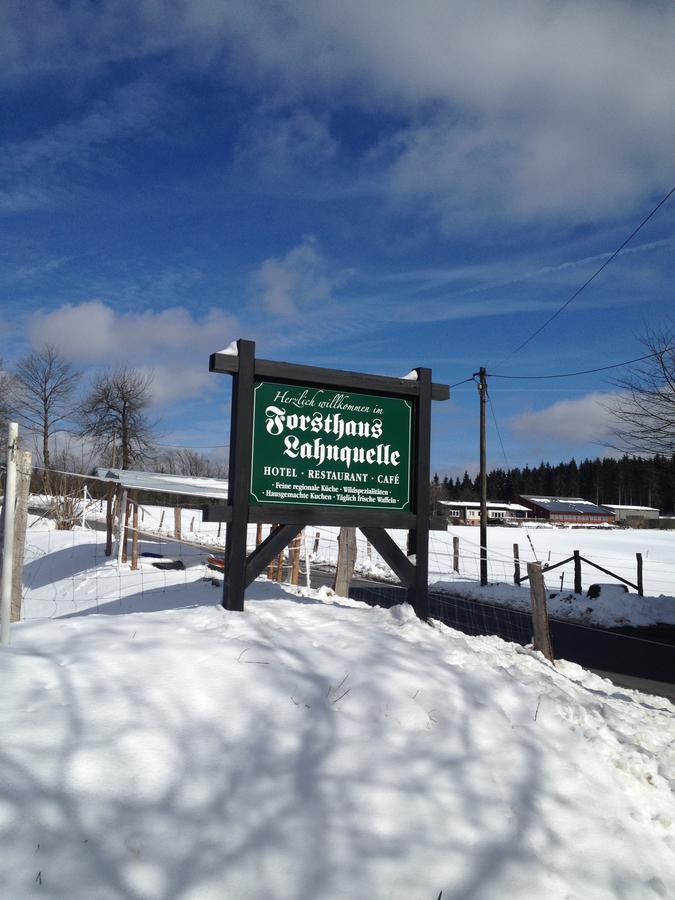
{"points": [[177, 522], [541, 636], [134, 536], [8, 532], [455, 555], [346, 561], [295, 560], [109, 520], [272, 566], [125, 540], [640, 587], [23, 473], [308, 574], [120, 529], [516, 564], [577, 572], [258, 534]]}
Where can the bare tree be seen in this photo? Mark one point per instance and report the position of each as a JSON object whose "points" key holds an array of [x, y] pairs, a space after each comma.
{"points": [[645, 408], [184, 461], [6, 382], [42, 396], [113, 415]]}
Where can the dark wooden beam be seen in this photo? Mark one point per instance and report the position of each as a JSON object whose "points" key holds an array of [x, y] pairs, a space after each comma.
{"points": [[418, 593], [323, 515], [224, 363], [241, 437], [272, 546], [391, 553]]}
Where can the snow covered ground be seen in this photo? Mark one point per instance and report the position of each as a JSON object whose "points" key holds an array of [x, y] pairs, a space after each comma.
{"points": [[157, 746], [612, 548]]}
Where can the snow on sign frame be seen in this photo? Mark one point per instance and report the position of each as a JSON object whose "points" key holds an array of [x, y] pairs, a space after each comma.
{"points": [[314, 446]]}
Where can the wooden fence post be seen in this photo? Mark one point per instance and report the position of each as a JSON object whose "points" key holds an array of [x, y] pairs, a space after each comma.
{"points": [[161, 519], [640, 587], [317, 538], [516, 564], [125, 529], [577, 572], [121, 556], [455, 555], [272, 566], [177, 512], [541, 636], [134, 536], [23, 473], [346, 561], [295, 560], [258, 534]]}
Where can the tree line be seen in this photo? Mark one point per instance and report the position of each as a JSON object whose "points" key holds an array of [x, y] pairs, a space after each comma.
{"points": [[629, 481]]}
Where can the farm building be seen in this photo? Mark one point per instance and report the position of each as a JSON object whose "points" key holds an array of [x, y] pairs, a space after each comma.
{"points": [[468, 511], [567, 510], [623, 513]]}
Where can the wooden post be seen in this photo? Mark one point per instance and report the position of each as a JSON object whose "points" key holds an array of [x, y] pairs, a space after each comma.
{"points": [[516, 564], [271, 568], [640, 587], [192, 524], [109, 521], [577, 572], [8, 509], [125, 530], [346, 561], [295, 560], [220, 525], [120, 526], [134, 536], [455, 555], [258, 535], [161, 519], [317, 538], [23, 473], [241, 441], [177, 515], [418, 540], [280, 567], [541, 637]]}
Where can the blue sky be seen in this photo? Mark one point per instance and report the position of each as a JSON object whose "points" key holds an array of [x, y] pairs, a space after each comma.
{"points": [[369, 186]]}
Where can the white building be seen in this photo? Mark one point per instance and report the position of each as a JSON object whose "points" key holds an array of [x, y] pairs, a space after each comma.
{"points": [[467, 512], [623, 513]]}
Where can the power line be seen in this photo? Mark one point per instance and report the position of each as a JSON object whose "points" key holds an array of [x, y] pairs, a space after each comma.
{"points": [[628, 362], [593, 276]]}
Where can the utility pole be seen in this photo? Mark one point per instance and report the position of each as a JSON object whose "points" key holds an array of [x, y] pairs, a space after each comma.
{"points": [[482, 390]]}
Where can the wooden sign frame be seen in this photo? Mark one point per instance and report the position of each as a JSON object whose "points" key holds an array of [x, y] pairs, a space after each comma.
{"points": [[240, 569]]}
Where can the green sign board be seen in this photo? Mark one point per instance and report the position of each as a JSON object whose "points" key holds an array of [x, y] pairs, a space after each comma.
{"points": [[319, 447]]}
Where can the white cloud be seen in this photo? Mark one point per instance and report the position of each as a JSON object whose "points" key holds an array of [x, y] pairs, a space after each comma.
{"points": [[569, 422], [285, 285], [526, 110], [171, 343]]}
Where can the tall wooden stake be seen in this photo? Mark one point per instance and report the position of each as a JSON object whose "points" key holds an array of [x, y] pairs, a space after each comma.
{"points": [[8, 508], [23, 473], [482, 388]]}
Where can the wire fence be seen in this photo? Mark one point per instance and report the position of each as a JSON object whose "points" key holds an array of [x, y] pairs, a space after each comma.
{"points": [[68, 570]]}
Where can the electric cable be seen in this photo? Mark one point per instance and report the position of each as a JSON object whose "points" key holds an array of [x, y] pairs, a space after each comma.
{"points": [[592, 277]]}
